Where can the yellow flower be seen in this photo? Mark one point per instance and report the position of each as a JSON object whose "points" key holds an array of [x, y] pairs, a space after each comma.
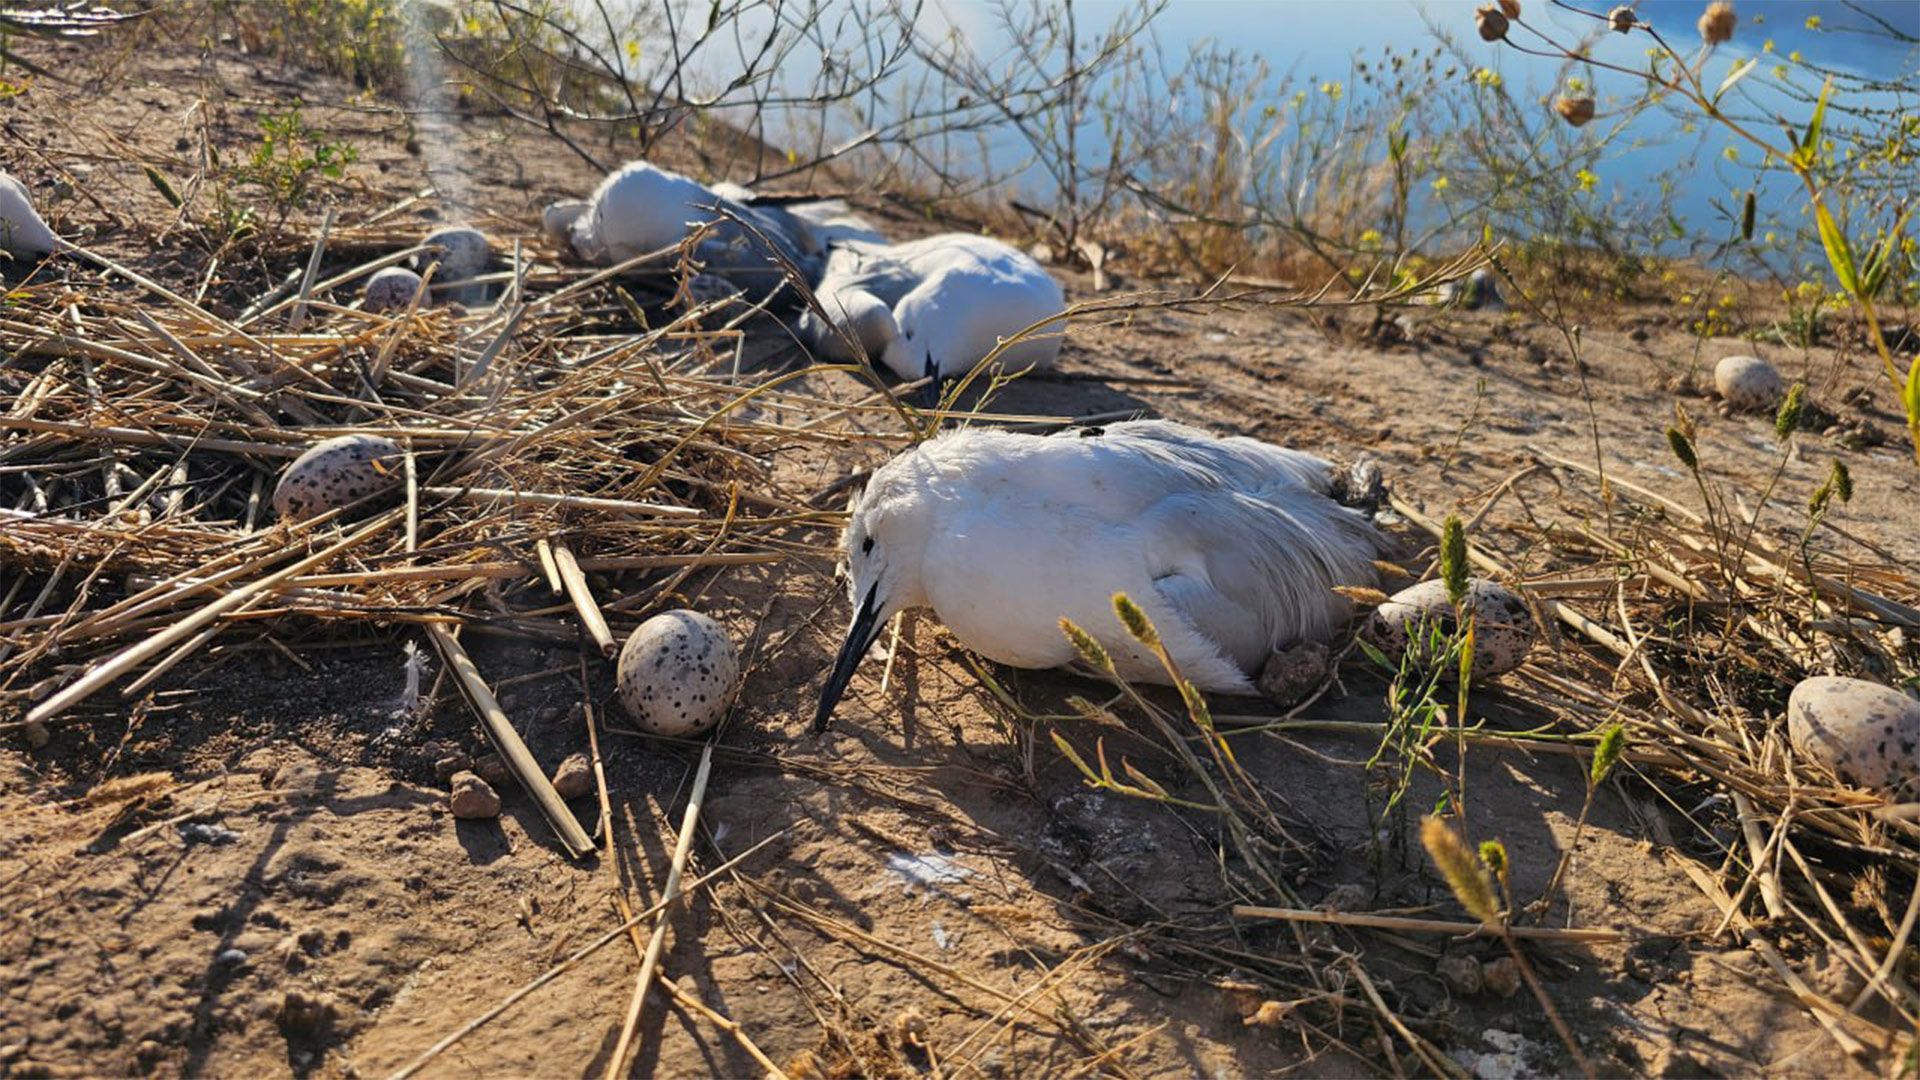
{"points": [[1731, 153], [1587, 179], [1439, 184], [1813, 22], [1333, 90]]}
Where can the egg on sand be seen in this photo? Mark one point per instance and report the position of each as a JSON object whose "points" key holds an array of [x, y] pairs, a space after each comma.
{"points": [[1503, 628], [678, 673], [335, 472]]}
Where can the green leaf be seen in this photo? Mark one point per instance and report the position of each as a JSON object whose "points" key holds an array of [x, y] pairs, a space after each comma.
{"points": [[1839, 250], [1739, 72], [1809, 147], [1911, 396]]}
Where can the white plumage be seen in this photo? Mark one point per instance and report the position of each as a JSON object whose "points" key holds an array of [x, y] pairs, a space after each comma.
{"points": [[23, 234], [642, 208], [935, 306], [1232, 546]]}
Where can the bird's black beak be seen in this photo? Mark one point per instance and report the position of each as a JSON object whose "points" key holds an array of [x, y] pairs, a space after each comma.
{"points": [[866, 627]]}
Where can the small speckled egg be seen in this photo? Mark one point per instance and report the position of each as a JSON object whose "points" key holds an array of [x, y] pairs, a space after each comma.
{"points": [[1504, 629], [391, 289], [1748, 382], [677, 673], [1866, 733], [463, 253], [334, 473]]}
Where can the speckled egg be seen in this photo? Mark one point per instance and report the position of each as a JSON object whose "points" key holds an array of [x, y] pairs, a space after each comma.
{"points": [[391, 289], [1865, 732], [463, 253], [1504, 629], [1748, 382], [677, 673], [336, 472]]}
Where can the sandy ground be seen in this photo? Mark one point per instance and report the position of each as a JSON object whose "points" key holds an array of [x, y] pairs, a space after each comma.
{"points": [[304, 903]]}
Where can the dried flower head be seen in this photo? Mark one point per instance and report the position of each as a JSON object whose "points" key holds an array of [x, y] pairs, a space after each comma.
{"points": [[1575, 111], [1510, 8], [1465, 874], [1491, 23], [1621, 19], [1717, 23], [1842, 480]]}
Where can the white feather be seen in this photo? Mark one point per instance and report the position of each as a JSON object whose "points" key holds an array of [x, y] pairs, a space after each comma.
{"points": [[23, 234], [1231, 545], [948, 302]]}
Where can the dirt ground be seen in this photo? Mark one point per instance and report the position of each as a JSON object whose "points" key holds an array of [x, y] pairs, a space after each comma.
{"points": [[297, 898]]}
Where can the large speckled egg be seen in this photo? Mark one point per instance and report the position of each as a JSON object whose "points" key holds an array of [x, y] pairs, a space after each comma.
{"points": [[1748, 382], [462, 254], [677, 673], [336, 472], [391, 289], [1504, 629], [1868, 734]]}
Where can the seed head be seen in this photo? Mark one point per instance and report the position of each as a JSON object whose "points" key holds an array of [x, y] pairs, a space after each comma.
{"points": [[1453, 558], [1575, 111], [1135, 620], [1621, 19], [1494, 854], [1491, 22], [1746, 218], [1787, 420], [1842, 481], [1683, 448], [1613, 742], [1090, 650], [1717, 23], [1510, 8], [1464, 873]]}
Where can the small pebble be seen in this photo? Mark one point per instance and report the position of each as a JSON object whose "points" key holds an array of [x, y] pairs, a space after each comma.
{"points": [[231, 957], [1293, 672], [445, 767], [493, 769], [37, 735], [574, 777], [1501, 976], [472, 798], [1462, 974]]}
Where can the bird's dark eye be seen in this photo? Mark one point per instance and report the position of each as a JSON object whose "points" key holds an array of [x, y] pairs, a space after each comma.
{"points": [[866, 546]]}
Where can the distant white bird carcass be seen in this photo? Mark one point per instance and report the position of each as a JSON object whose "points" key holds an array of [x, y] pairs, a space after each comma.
{"points": [[642, 208], [936, 306], [23, 235], [1232, 546]]}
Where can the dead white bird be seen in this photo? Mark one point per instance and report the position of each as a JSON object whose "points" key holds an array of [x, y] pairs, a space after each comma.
{"points": [[1232, 546], [23, 235], [642, 208], [936, 306]]}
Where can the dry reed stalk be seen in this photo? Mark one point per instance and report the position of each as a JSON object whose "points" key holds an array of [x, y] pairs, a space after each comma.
{"points": [[670, 892], [584, 604], [501, 733], [1551, 935]]}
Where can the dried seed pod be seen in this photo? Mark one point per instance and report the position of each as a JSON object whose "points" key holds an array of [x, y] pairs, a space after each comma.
{"points": [[1717, 23], [1575, 111], [1491, 23], [1621, 19]]}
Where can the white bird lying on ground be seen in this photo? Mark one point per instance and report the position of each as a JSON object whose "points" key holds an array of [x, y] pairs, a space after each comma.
{"points": [[1232, 546], [23, 234], [936, 306], [641, 208]]}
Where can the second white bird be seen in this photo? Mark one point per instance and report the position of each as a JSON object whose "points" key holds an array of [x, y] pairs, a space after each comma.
{"points": [[1231, 545]]}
